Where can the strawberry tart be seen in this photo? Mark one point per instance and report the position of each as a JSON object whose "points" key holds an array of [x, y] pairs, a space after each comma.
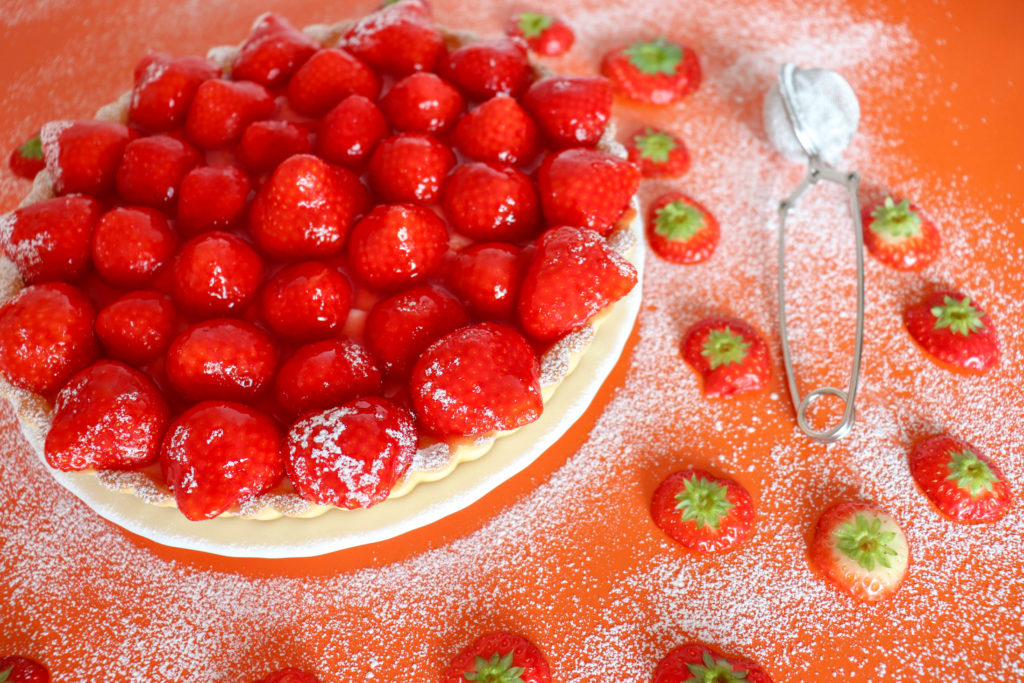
{"points": [[315, 270]]}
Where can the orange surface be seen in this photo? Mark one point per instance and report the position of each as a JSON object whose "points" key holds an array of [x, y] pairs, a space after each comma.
{"points": [[565, 552]]}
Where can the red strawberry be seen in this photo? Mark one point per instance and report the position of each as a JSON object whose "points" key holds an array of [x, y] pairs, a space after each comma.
{"points": [[488, 201], [487, 276], [681, 230], [49, 240], [108, 416], [272, 52], [350, 456], [658, 154], [954, 330], [704, 513], [216, 273], [900, 236], [498, 130], [289, 675], [212, 198], [422, 103], [306, 301], [498, 656], [220, 454], [306, 208], [15, 669], [326, 374], [130, 244], [397, 39], [46, 336], [164, 89], [729, 354], [265, 144], [544, 34], [477, 379], [221, 110], [586, 188], [963, 483], [83, 156], [401, 326], [487, 68], [26, 159], [221, 359], [410, 167], [693, 662], [329, 77], [350, 132], [861, 549], [573, 276], [397, 244], [659, 71], [571, 111], [137, 327], [152, 169]]}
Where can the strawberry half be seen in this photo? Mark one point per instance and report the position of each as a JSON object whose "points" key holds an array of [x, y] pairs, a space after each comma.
{"points": [[695, 663], [164, 88], [329, 77], [49, 240], [586, 188], [410, 167], [487, 276], [272, 52], [397, 39], [221, 110], [326, 374], [498, 656], [544, 34], [487, 68], [26, 160], [221, 359], [130, 244], [152, 169], [488, 201], [703, 513], [351, 132], [212, 198], [138, 327], [422, 103], [681, 230], [729, 354], [265, 144], [289, 675], [15, 669], [83, 156], [658, 153], [306, 302], [963, 483], [216, 273], [659, 71], [571, 111], [498, 130], [954, 330], [900, 236], [397, 244]]}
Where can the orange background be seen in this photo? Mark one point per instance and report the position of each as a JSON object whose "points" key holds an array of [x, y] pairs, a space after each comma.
{"points": [[589, 578]]}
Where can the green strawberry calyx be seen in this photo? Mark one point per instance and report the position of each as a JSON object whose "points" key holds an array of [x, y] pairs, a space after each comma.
{"points": [[959, 316], [31, 149], [712, 670], [5, 674], [865, 542], [533, 24], [655, 145], [497, 669], [678, 221], [971, 473], [658, 56], [895, 222], [725, 347], [704, 502]]}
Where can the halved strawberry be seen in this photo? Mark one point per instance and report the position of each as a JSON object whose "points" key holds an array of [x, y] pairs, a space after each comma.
{"points": [[729, 354], [486, 68], [487, 276], [498, 656], [695, 663], [49, 240], [272, 52], [396, 244], [83, 156], [16, 669], [422, 103], [488, 201], [152, 169], [325, 374], [289, 675], [130, 244], [397, 39], [954, 330], [410, 167], [659, 71], [221, 110], [327, 78], [137, 327], [544, 34], [702, 512], [212, 198], [681, 230], [658, 153], [265, 144], [498, 130], [221, 359], [899, 235], [963, 483], [586, 188], [351, 132], [216, 273], [571, 111], [164, 88], [306, 302], [26, 160]]}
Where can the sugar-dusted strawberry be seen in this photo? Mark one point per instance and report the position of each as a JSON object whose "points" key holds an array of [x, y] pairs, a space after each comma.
{"points": [[306, 208], [573, 276], [487, 276], [265, 144], [702, 512], [571, 111], [410, 167], [487, 68], [272, 52], [422, 103], [26, 160], [397, 39], [498, 130], [108, 416], [396, 244], [658, 153], [164, 88], [899, 235], [212, 198], [499, 656], [962, 482], [475, 380], [130, 244], [325, 374], [861, 549], [401, 326], [152, 169], [587, 188], [219, 454], [351, 455], [658, 71], [216, 273], [695, 663], [289, 675], [83, 156], [49, 240], [955, 330], [17, 669], [221, 110], [681, 230], [327, 78], [488, 201], [221, 359], [137, 327], [351, 131], [544, 34], [729, 354], [306, 301]]}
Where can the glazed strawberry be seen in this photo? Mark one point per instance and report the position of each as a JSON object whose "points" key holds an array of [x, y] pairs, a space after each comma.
{"points": [[498, 656], [152, 169], [397, 39], [954, 330], [587, 188], [306, 302], [571, 111], [659, 71], [351, 131], [306, 209], [221, 110], [573, 276], [326, 374], [475, 380], [350, 456], [487, 68], [963, 483], [212, 198], [681, 230], [289, 675], [216, 273], [487, 276], [544, 34], [400, 327], [899, 235], [272, 52], [327, 78], [220, 454], [658, 153], [164, 89], [46, 336], [487, 201], [410, 167], [729, 354], [498, 130], [221, 359], [49, 240], [137, 327], [130, 244], [699, 663], [26, 160], [15, 669], [265, 144], [703, 513], [396, 244], [108, 416], [861, 549], [422, 103], [83, 156]]}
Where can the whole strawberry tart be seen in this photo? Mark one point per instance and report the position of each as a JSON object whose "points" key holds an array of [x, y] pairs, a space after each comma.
{"points": [[314, 270]]}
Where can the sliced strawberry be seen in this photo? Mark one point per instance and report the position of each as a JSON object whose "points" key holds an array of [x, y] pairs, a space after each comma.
{"points": [[681, 230], [422, 103], [83, 156], [289, 675], [26, 160], [694, 662], [571, 111], [410, 167], [703, 513], [15, 669], [397, 244], [306, 302], [498, 130], [221, 359], [658, 153], [487, 276], [130, 244], [498, 656], [659, 71], [212, 198], [272, 52], [544, 34], [351, 131], [221, 110], [138, 327], [954, 330], [164, 89], [152, 169], [216, 273], [327, 78], [962, 482], [900, 236], [397, 39], [487, 68], [265, 144], [326, 374], [729, 354], [49, 240], [586, 188], [488, 201]]}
